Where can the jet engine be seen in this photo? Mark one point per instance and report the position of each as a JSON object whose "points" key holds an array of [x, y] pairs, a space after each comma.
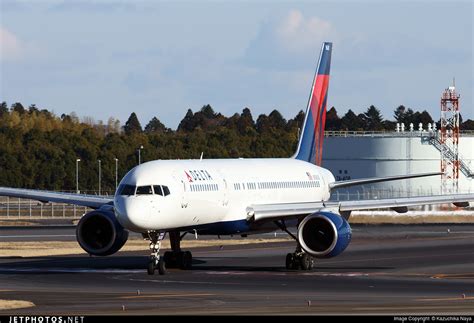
{"points": [[99, 233], [324, 234]]}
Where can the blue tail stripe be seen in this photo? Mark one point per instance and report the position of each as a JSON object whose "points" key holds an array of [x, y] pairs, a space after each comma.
{"points": [[306, 148], [325, 64]]}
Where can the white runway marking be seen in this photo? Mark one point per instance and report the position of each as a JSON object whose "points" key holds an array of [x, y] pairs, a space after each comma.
{"points": [[40, 236], [164, 281], [283, 273], [74, 270]]}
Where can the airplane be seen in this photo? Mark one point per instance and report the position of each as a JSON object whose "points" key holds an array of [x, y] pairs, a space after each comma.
{"points": [[234, 197]]}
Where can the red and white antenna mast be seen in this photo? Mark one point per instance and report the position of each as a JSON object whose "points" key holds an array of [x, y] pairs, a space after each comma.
{"points": [[449, 140]]}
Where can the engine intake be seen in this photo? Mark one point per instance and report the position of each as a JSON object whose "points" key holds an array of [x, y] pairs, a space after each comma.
{"points": [[99, 233], [324, 234]]}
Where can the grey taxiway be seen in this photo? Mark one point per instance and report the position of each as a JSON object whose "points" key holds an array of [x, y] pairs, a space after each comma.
{"points": [[390, 269]]}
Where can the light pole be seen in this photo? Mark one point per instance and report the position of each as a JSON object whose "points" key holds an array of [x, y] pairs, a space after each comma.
{"points": [[116, 173], [77, 175], [139, 154], [99, 175]]}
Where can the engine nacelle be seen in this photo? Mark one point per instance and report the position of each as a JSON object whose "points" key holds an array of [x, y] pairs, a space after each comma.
{"points": [[324, 234], [99, 233]]}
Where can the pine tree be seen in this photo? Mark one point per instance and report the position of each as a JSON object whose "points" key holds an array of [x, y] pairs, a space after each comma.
{"points": [[187, 124], [245, 121], [132, 125], [409, 117], [425, 118], [3, 109], [18, 107], [373, 119], [351, 121], [400, 114], [332, 120], [208, 112], [155, 125], [276, 120]]}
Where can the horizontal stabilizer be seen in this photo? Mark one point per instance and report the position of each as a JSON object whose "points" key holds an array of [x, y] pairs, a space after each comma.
{"points": [[362, 181]]}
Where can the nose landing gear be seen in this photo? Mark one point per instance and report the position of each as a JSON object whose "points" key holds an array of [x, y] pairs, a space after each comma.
{"points": [[156, 262]]}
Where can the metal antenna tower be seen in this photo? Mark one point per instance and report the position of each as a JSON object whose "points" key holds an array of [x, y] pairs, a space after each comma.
{"points": [[449, 140]]}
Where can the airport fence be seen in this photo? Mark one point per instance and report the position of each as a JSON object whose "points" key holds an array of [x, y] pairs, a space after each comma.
{"points": [[390, 133]]}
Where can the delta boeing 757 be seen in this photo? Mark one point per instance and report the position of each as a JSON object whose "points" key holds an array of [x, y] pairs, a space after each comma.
{"points": [[234, 197]]}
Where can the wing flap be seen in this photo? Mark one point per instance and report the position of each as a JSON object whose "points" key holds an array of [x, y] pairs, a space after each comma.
{"points": [[92, 201]]}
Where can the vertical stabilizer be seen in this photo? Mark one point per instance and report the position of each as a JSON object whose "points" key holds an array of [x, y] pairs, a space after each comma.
{"points": [[310, 146]]}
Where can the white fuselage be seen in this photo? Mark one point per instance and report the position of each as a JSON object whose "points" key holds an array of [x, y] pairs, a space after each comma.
{"points": [[171, 194]]}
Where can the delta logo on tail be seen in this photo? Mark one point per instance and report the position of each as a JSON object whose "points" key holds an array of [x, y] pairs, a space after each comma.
{"points": [[311, 145]]}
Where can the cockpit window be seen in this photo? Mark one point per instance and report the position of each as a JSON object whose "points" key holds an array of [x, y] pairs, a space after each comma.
{"points": [[161, 190], [158, 190], [127, 190], [144, 190]]}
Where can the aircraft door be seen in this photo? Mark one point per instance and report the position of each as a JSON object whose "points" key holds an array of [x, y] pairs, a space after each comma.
{"points": [[225, 198], [223, 189], [185, 195], [184, 188]]}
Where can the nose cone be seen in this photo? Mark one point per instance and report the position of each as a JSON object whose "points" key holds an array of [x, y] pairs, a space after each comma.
{"points": [[130, 213], [133, 211]]}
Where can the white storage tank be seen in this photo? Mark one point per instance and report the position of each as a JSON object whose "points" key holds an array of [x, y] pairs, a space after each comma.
{"points": [[351, 155]]}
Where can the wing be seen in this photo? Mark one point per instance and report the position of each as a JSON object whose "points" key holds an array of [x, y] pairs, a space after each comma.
{"points": [[92, 201], [371, 180], [259, 212], [268, 212]]}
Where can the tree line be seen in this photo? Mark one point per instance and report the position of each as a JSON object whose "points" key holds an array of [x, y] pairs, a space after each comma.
{"points": [[39, 149]]}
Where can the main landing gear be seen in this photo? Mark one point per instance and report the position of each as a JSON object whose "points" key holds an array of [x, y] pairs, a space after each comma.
{"points": [[177, 258], [298, 260], [171, 259], [156, 262]]}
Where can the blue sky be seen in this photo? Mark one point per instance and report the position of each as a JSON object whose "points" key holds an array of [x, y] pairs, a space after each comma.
{"points": [[157, 58]]}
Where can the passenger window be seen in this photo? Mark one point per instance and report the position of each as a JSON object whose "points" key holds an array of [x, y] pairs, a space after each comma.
{"points": [[127, 190], [144, 190], [166, 190], [158, 190]]}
